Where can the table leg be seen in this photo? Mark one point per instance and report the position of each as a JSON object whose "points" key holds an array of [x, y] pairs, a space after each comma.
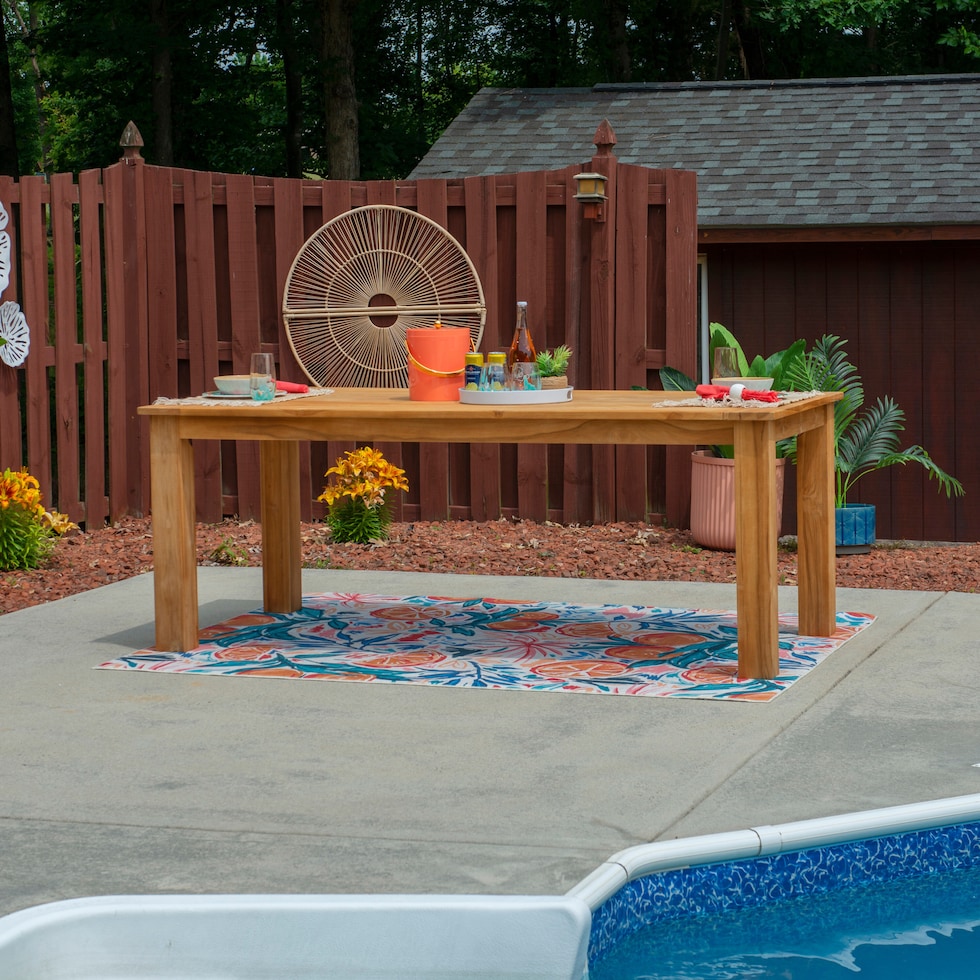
{"points": [[282, 557], [174, 545], [816, 559], [756, 566]]}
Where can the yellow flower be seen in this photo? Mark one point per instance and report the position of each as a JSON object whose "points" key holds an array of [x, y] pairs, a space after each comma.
{"points": [[363, 474], [58, 522]]}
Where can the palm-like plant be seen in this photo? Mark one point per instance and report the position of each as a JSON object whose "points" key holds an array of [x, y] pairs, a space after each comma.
{"points": [[863, 441]]}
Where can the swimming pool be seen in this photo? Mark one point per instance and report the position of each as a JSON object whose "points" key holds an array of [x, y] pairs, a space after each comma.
{"points": [[892, 892], [814, 899]]}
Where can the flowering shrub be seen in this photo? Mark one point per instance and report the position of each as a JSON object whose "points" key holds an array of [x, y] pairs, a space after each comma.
{"points": [[358, 507], [26, 528]]}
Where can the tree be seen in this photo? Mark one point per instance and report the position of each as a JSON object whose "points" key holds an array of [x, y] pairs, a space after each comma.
{"points": [[340, 90], [293, 77], [361, 88], [9, 163], [161, 83], [874, 37]]}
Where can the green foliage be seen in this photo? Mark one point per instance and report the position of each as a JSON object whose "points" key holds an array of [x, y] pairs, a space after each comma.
{"points": [[554, 363], [357, 495], [81, 69], [227, 554], [863, 441], [873, 37], [25, 526], [353, 520], [24, 541]]}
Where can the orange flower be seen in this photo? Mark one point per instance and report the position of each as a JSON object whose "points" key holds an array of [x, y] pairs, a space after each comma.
{"points": [[363, 474]]}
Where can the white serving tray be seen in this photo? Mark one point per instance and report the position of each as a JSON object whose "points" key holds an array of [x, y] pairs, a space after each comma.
{"points": [[544, 396]]}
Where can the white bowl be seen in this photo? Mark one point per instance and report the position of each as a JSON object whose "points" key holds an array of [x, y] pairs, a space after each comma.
{"points": [[754, 384], [233, 384]]}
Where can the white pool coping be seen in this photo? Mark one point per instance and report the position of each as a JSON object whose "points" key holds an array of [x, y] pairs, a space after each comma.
{"points": [[297, 937], [643, 859]]}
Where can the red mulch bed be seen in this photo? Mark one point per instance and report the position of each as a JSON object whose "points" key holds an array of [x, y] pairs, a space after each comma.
{"points": [[87, 560]]}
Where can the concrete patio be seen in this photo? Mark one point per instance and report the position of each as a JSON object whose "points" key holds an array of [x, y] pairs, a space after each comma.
{"points": [[118, 782]]}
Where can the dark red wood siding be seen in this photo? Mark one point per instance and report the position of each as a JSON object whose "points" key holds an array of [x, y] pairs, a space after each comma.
{"points": [[909, 314]]}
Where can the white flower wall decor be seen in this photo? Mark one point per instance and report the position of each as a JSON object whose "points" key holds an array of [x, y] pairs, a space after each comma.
{"points": [[15, 335]]}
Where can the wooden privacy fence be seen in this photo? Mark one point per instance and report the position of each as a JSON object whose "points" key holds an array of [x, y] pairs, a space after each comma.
{"points": [[141, 282]]}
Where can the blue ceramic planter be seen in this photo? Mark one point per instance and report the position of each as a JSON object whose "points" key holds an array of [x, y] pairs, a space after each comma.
{"points": [[855, 528]]}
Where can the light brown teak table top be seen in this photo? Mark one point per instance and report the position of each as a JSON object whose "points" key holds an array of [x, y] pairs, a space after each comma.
{"points": [[591, 417]]}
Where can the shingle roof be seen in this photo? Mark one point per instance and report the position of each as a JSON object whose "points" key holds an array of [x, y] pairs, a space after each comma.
{"points": [[851, 151]]}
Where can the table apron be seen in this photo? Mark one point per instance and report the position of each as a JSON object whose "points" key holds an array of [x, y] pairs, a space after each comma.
{"points": [[595, 432]]}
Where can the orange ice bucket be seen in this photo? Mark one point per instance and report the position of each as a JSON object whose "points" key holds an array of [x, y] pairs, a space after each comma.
{"points": [[436, 361]]}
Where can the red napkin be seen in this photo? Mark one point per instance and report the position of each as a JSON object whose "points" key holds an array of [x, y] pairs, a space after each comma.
{"points": [[719, 391], [291, 386]]}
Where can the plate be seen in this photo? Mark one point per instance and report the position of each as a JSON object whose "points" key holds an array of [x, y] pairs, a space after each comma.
{"points": [[241, 398], [543, 396]]}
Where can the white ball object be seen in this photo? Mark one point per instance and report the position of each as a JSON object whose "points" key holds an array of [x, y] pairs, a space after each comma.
{"points": [[735, 392]]}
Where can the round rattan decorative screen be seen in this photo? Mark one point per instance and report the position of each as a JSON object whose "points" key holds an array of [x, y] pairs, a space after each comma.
{"points": [[365, 278]]}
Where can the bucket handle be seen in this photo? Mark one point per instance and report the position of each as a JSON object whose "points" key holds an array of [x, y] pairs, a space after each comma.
{"points": [[433, 371]]}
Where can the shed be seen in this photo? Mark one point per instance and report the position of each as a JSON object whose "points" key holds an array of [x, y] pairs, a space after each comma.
{"points": [[847, 206]]}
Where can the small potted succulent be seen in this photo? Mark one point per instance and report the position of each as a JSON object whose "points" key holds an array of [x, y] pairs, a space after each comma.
{"points": [[553, 366]]}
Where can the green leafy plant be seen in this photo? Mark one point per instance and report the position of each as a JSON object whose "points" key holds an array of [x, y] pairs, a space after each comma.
{"points": [[864, 441], [779, 366], [227, 554], [357, 499], [554, 363], [27, 530]]}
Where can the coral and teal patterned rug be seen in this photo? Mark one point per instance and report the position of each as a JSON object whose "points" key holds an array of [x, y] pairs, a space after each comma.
{"points": [[494, 643]]}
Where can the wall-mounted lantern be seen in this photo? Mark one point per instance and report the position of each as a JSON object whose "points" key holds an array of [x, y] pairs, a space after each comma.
{"points": [[591, 191]]}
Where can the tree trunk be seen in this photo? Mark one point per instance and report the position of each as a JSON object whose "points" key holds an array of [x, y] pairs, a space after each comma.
{"points": [[620, 63], [753, 55], [28, 35], [162, 86], [340, 93], [294, 88], [9, 163], [724, 39]]}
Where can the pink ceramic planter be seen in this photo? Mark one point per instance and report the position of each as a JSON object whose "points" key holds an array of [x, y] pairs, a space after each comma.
{"points": [[713, 499]]}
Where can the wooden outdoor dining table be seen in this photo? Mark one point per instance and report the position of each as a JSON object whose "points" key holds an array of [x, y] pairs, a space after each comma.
{"points": [[590, 417]]}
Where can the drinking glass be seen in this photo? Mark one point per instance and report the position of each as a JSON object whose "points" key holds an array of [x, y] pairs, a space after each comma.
{"points": [[262, 378], [725, 366]]}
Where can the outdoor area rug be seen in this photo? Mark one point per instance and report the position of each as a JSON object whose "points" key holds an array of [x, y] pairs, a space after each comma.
{"points": [[494, 643]]}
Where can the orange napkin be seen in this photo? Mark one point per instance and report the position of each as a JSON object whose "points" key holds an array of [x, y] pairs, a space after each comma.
{"points": [[291, 386], [719, 391]]}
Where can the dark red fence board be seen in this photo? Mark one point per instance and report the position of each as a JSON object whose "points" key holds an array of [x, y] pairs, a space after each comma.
{"points": [[434, 492], [95, 501], [67, 345], [632, 328], [11, 417], [244, 328], [482, 244], [34, 303]]}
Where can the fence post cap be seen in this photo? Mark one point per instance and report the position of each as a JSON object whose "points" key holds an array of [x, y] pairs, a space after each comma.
{"points": [[131, 141], [604, 139]]}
